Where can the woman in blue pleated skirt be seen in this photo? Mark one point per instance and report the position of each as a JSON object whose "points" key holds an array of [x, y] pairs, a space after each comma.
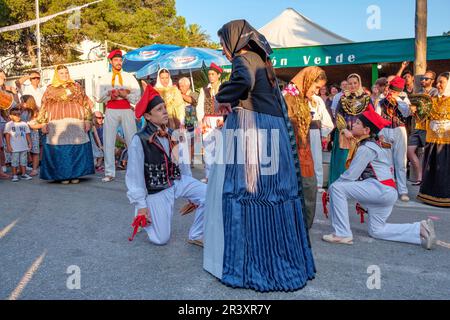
{"points": [[255, 233]]}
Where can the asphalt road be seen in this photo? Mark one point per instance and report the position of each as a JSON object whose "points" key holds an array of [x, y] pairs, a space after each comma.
{"points": [[50, 233]]}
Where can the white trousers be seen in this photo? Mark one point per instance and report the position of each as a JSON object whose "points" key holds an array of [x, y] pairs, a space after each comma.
{"points": [[316, 148], [379, 200], [161, 207], [398, 138], [209, 151], [114, 117]]}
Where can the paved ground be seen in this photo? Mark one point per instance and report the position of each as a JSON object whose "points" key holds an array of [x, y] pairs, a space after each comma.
{"points": [[46, 228]]}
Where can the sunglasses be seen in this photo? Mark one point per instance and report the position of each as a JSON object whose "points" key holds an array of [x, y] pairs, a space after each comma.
{"points": [[35, 78], [425, 79], [100, 117]]}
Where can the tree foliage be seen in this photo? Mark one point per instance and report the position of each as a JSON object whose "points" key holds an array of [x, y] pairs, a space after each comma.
{"points": [[134, 23]]}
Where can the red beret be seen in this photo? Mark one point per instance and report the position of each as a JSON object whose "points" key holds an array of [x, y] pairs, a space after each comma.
{"points": [[149, 100], [397, 84], [115, 53], [373, 120], [216, 68]]}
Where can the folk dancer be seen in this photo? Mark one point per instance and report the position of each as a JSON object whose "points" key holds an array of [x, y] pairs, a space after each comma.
{"points": [[153, 178], [370, 181], [119, 90]]}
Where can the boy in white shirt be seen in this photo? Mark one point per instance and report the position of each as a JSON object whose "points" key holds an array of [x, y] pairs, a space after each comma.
{"points": [[18, 143]]}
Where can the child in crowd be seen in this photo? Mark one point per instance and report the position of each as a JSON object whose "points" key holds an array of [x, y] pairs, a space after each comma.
{"points": [[30, 113], [96, 136], [18, 142], [3, 121]]}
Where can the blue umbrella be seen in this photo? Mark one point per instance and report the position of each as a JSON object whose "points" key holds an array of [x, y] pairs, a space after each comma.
{"points": [[136, 59], [185, 59]]}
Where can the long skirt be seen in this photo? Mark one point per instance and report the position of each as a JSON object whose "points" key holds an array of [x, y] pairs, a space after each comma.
{"points": [[337, 161], [255, 234], [435, 187], [67, 151]]}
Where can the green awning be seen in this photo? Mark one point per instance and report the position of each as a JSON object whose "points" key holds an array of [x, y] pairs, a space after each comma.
{"points": [[359, 53]]}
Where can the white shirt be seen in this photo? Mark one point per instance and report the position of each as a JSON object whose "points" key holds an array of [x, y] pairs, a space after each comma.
{"points": [[104, 86], [36, 93], [18, 132], [320, 112], [200, 109]]}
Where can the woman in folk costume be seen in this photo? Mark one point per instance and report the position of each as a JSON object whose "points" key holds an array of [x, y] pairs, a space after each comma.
{"points": [[66, 116], [435, 188], [255, 234], [370, 181], [352, 103], [299, 95], [153, 178], [172, 97], [209, 118]]}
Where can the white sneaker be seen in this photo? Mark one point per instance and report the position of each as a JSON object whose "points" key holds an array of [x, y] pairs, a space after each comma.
{"points": [[15, 179], [25, 177], [107, 179], [29, 168], [404, 197]]}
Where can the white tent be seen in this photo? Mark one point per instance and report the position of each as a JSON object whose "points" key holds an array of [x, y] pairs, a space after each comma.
{"points": [[291, 29]]}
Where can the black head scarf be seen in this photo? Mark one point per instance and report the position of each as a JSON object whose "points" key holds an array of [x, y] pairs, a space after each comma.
{"points": [[237, 34]]}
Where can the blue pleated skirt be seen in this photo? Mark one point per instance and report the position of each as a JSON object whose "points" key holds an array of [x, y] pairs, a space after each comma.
{"points": [[255, 235], [65, 162]]}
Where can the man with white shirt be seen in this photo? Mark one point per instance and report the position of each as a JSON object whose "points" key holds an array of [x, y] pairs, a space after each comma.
{"points": [[395, 108], [369, 181], [118, 90], [208, 117], [154, 180], [30, 85]]}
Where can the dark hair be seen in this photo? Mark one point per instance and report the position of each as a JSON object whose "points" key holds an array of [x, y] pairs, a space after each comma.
{"points": [[15, 111], [381, 81], [407, 72], [432, 73], [445, 75], [336, 86], [367, 124]]}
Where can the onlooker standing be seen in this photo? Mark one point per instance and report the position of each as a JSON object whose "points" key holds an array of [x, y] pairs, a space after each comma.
{"points": [[190, 121], [29, 115], [426, 83], [118, 90], [334, 90], [417, 139], [30, 85], [96, 135], [323, 93], [18, 142], [337, 97]]}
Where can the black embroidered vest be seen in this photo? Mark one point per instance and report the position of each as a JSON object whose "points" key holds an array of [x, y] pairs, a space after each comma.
{"points": [[159, 170], [392, 113]]}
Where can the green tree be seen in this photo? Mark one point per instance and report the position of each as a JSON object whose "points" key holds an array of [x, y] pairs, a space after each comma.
{"points": [[132, 23]]}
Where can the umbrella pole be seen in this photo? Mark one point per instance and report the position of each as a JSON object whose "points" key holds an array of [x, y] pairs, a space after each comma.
{"points": [[192, 80]]}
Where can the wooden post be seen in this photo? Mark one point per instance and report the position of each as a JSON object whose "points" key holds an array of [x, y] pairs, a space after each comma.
{"points": [[420, 62]]}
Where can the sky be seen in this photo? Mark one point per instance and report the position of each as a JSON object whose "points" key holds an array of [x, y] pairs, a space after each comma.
{"points": [[346, 18]]}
